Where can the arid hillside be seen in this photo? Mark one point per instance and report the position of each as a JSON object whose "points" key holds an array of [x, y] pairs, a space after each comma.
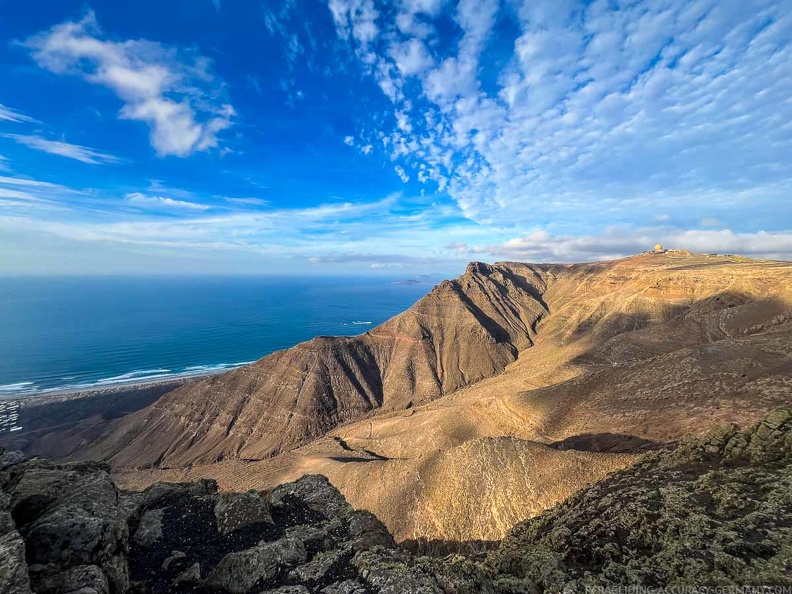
{"points": [[501, 393], [462, 332]]}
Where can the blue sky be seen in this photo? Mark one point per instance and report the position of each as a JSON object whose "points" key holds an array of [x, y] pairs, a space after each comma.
{"points": [[353, 136]]}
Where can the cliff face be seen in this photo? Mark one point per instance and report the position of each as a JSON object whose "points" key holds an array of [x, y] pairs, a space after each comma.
{"points": [[463, 331]]}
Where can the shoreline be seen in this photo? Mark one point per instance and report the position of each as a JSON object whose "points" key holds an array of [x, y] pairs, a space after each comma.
{"points": [[109, 387], [61, 395], [84, 412]]}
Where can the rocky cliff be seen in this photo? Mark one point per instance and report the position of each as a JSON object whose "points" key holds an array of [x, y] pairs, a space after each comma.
{"points": [[716, 511]]}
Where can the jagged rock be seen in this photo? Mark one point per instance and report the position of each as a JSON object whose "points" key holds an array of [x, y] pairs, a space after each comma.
{"points": [[73, 521], [162, 494], [37, 489], [149, 529], [239, 572], [315, 492], [175, 556], [13, 567], [314, 537], [85, 579], [345, 587], [9, 458], [237, 510], [191, 575], [715, 511], [390, 572], [367, 531], [322, 567]]}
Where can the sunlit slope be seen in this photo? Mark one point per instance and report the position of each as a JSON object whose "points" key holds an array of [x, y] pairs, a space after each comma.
{"points": [[628, 355]]}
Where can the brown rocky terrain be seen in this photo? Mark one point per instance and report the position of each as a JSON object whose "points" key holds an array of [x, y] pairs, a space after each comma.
{"points": [[523, 382]]}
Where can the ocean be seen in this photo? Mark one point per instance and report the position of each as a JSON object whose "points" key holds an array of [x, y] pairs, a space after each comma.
{"points": [[71, 333]]}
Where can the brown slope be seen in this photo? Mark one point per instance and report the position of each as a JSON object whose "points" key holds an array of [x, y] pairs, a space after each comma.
{"points": [[462, 332], [631, 352]]}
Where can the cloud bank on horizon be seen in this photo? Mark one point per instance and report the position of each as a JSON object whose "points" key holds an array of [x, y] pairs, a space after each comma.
{"points": [[309, 136]]}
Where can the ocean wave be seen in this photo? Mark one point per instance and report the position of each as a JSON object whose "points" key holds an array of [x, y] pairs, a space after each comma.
{"points": [[141, 376], [213, 368], [17, 386], [356, 323]]}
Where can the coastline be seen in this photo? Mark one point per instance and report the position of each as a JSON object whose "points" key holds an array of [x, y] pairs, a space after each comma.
{"points": [[61, 395], [83, 413]]}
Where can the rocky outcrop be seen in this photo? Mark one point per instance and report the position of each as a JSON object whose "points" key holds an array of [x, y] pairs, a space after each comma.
{"points": [[716, 511], [66, 528], [463, 331]]}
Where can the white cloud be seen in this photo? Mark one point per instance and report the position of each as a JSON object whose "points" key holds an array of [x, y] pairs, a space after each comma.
{"points": [[349, 140], [355, 19], [615, 242], [428, 7], [401, 173], [64, 149], [12, 115], [140, 199], [366, 150], [458, 248], [247, 201], [174, 93], [411, 57], [20, 192], [21, 181], [599, 115]]}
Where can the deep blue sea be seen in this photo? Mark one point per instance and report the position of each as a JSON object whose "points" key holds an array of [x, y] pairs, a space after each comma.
{"points": [[76, 333]]}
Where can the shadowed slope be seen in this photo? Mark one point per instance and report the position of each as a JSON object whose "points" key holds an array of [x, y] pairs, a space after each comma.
{"points": [[463, 331]]}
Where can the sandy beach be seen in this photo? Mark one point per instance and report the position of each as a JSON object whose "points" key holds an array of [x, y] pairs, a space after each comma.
{"points": [[36, 415]]}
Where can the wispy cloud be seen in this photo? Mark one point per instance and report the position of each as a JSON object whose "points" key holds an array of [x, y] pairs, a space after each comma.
{"points": [[11, 115], [163, 202], [173, 92], [401, 173], [615, 242], [247, 201], [64, 149], [19, 193]]}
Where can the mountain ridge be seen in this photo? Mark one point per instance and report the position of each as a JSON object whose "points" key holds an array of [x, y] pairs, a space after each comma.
{"points": [[294, 395], [566, 373]]}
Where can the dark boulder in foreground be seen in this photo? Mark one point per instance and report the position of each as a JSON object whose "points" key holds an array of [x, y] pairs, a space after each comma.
{"points": [[66, 528], [715, 511]]}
